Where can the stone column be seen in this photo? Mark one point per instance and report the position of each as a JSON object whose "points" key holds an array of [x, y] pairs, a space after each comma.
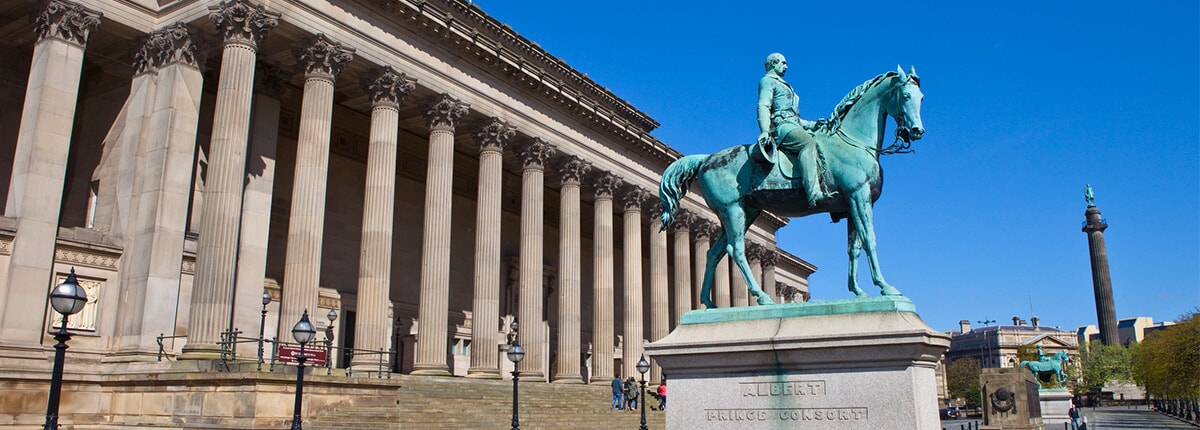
{"points": [[372, 330], [533, 157], [604, 184], [769, 258], [721, 283], [737, 284], [443, 113], [322, 59], [754, 254], [569, 350], [704, 230], [243, 25], [1094, 227], [491, 138], [256, 205], [154, 249], [632, 200], [660, 310], [40, 165], [683, 261]]}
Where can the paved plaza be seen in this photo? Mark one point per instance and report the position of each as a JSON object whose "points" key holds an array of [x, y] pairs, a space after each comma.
{"points": [[1111, 418]]}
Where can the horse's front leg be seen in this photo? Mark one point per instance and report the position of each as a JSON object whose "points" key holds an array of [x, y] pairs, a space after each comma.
{"points": [[860, 214], [854, 248]]}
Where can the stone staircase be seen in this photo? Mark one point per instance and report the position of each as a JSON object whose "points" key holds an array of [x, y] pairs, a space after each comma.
{"points": [[427, 403]]}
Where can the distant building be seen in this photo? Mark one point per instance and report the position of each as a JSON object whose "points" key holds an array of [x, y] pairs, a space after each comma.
{"points": [[1129, 330], [997, 346]]}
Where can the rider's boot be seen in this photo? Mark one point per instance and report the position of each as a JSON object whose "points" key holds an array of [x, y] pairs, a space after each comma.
{"points": [[812, 177]]}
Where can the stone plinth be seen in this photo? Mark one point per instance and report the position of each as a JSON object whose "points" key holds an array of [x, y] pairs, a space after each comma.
{"points": [[1010, 400], [842, 364], [1055, 404]]}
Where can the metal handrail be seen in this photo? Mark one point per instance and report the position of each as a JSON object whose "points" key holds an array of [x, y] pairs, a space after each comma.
{"points": [[159, 339]]}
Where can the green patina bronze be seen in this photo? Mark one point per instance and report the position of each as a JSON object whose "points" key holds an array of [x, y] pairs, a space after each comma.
{"points": [[1087, 195], [738, 183], [805, 309], [1047, 367]]}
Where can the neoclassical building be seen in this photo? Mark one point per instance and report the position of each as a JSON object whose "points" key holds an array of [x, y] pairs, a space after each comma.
{"points": [[415, 165]]}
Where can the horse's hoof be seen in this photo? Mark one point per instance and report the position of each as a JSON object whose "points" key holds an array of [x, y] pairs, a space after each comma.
{"points": [[858, 292], [708, 304], [765, 300], [889, 290]]}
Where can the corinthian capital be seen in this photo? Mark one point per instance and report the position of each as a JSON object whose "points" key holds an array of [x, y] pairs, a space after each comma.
{"points": [[323, 57], [535, 153], [606, 184], [682, 221], [173, 44], [386, 86], [769, 256], [573, 170], [66, 21], [445, 111], [634, 197], [242, 21], [494, 135], [703, 228]]}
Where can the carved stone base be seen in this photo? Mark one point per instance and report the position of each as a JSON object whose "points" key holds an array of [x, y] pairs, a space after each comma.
{"points": [[1010, 399], [843, 364]]}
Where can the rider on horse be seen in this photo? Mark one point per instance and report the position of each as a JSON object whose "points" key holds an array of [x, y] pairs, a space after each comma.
{"points": [[781, 126]]}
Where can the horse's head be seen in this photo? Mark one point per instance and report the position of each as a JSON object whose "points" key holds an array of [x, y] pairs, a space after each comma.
{"points": [[905, 105]]}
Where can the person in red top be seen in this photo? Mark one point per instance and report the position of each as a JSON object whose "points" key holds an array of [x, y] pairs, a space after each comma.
{"points": [[662, 396]]}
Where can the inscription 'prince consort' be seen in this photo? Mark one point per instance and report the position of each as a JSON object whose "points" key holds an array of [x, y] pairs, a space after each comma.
{"points": [[789, 414], [786, 388]]}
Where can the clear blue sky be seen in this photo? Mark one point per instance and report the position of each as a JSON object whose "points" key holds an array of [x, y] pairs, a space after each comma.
{"points": [[1025, 103]]}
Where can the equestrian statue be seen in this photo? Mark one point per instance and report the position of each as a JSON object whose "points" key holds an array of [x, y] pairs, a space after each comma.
{"points": [[799, 168], [1047, 366]]}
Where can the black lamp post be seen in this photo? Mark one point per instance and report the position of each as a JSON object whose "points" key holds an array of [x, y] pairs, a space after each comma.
{"points": [[302, 332], [643, 366], [515, 355], [332, 316], [262, 324], [67, 299]]}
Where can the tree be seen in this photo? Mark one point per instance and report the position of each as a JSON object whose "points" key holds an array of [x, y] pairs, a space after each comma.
{"points": [[963, 379], [1167, 363], [1101, 363]]}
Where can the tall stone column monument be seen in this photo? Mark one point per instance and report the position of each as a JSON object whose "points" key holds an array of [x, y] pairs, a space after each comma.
{"points": [[1106, 314]]}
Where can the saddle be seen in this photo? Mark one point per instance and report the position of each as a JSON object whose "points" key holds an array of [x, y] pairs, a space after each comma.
{"points": [[768, 156]]}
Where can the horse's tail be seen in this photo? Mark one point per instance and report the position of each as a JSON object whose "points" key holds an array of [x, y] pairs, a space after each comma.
{"points": [[675, 182]]}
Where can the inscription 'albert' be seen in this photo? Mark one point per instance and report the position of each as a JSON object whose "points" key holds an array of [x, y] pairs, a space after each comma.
{"points": [[786, 388]]}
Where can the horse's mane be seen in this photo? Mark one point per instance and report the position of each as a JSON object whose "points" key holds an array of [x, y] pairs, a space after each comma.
{"points": [[843, 107]]}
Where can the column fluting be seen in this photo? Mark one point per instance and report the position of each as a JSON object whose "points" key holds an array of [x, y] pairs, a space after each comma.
{"points": [[491, 138], [533, 331], [603, 322], [631, 351], [569, 330]]}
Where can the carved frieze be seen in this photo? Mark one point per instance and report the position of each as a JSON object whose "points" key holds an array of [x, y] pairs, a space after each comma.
{"points": [[535, 153], [66, 21], [494, 135], [386, 86], [82, 257], [444, 111], [242, 21]]}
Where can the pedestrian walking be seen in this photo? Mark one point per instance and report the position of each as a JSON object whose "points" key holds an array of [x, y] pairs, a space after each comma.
{"points": [[618, 399]]}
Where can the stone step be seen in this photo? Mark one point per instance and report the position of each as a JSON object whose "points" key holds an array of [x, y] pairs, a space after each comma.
{"points": [[429, 403]]}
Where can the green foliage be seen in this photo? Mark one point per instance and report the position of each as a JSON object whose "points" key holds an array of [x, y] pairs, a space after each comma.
{"points": [[1101, 363], [962, 377], [1026, 353], [1167, 363]]}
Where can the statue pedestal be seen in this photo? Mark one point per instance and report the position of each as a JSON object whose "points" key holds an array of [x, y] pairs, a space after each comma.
{"points": [[844, 364], [1056, 406], [1010, 400]]}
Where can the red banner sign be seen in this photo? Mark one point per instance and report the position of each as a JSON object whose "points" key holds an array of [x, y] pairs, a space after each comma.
{"points": [[291, 354]]}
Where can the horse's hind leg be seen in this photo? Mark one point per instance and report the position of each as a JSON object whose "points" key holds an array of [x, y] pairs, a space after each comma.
{"points": [[736, 220], [854, 248], [860, 215]]}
